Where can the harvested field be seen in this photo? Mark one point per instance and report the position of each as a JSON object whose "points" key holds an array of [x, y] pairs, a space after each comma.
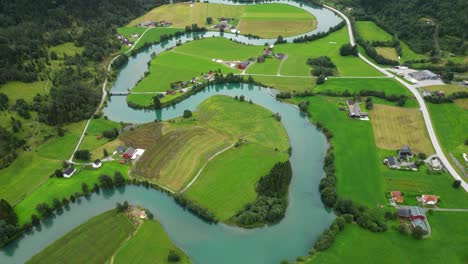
{"points": [[143, 137], [395, 127], [274, 28], [388, 52], [175, 157]]}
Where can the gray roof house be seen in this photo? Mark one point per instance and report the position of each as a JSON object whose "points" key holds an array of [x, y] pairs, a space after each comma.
{"points": [[68, 172], [424, 75], [354, 109], [393, 163], [405, 153]]}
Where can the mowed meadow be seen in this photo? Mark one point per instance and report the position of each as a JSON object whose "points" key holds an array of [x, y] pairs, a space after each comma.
{"points": [[266, 20], [187, 144]]}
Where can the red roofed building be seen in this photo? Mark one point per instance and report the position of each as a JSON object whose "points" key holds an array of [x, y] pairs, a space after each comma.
{"points": [[430, 199], [397, 196]]}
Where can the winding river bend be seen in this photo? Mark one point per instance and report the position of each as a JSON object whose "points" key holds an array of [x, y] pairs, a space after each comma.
{"points": [[206, 243]]}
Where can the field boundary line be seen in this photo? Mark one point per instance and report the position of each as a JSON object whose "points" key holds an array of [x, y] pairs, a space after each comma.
{"points": [[204, 165], [427, 117]]}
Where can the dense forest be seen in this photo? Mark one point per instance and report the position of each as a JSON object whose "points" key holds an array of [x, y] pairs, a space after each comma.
{"points": [[27, 31], [417, 21]]}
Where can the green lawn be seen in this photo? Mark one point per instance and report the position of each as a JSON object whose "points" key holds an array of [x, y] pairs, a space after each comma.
{"points": [[149, 245], [446, 245], [356, 159], [62, 188], [298, 84], [96, 128], [67, 48], [92, 242], [388, 85], [447, 88], [26, 91], [154, 35], [369, 31], [451, 127], [228, 181], [61, 148], [270, 66], [329, 46]]}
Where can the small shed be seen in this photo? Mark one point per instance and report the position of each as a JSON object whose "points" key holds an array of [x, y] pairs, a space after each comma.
{"points": [[97, 164], [405, 153]]}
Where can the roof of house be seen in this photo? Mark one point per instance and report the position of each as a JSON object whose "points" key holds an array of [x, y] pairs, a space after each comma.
{"points": [[354, 109], [392, 161], [98, 161], [69, 170], [396, 193], [430, 198], [121, 149], [244, 63], [421, 75], [404, 212], [405, 149], [130, 151], [416, 211], [399, 199], [419, 222]]}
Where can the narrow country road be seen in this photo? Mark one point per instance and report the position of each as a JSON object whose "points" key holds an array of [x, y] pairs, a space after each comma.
{"points": [[203, 167], [419, 98], [103, 98]]}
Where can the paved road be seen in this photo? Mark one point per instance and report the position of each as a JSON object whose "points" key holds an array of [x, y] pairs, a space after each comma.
{"points": [[419, 98], [103, 98]]}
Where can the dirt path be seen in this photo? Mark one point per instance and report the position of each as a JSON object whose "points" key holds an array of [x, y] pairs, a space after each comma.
{"points": [[124, 243], [203, 167], [281, 65]]}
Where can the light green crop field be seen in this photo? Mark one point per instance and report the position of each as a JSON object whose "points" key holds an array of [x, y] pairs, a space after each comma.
{"points": [[272, 20], [191, 60], [388, 52], [329, 46], [176, 156], [282, 83], [369, 31], [241, 119], [67, 48], [149, 245], [447, 88], [92, 242], [96, 128], [357, 245], [228, 182], [356, 159], [270, 67], [268, 20], [388, 85], [452, 131], [26, 91], [62, 188]]}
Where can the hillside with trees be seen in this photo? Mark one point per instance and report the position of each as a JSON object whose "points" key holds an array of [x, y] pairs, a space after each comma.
{"points": [[416, 22]]}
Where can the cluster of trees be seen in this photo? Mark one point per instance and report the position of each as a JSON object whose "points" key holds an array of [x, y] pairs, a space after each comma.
{"points": [[111, 133], [322, 66], [319, 35], [416, 22], [272, 201], [194, 28], [187, 114], [9, 143], [173, 256], [446, 99], [399, 99], [204, 213], [82, 155], [8, 222], [348, 49], [3, 101], [372, 52], [369, 103]]}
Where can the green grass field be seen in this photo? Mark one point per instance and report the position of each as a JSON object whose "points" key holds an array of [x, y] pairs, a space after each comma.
{"points": [[388, 85], [298, 84], [268, 20], [270, 67], [67, 48], [447, 88], [357, 245], [96, 128], [450, 128], [228, 181], [356, 159], [272, 20], [369, 31], [388, 52], [62, 188], [26, 91], [149, 245], [176, 157], [329, 46], [92, 242]]}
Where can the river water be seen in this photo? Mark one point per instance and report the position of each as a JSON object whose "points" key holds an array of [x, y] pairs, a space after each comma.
{"points": [[206, 243]]}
